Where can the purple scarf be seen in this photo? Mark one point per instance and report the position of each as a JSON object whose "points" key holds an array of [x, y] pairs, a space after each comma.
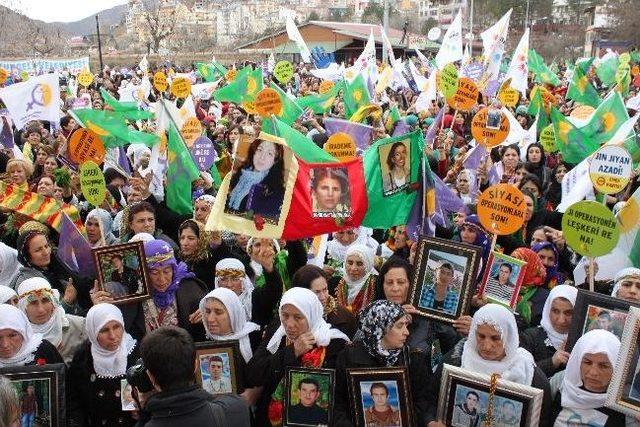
{"points": [[159, 254]]}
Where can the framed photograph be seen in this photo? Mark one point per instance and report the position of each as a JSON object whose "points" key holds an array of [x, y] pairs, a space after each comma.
{"points": [[593, 310], [258, 180], [122, 271], [308, 397], [624, 391], [395, 165], [502, 279], [494, 117], [380, 396], [445, 279], [41, 391], [330, 193], [126, 397], [217, 366], [465, 397]]}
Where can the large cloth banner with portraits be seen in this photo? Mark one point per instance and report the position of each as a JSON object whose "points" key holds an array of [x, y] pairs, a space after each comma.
{"points": [[326, 197], [391, 170], [255, 196]]}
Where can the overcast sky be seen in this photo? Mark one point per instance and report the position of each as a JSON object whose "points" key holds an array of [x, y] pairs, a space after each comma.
{"points": [[60, 10]]}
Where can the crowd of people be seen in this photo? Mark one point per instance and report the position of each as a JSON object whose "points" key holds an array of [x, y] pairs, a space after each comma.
{"points": [[352, 311]]}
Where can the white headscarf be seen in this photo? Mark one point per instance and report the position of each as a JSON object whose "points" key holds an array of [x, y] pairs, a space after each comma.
{"points": [[107, 363], [596, 341], [6, 294], [256, 266], [517, 365], [247, 286], [106, 225], [12, 318], [51, 330], [337, 250], [625, 273], [311, 308], [560, 291], [367, 256], [9, 264], [142, 237], [240, 326]]}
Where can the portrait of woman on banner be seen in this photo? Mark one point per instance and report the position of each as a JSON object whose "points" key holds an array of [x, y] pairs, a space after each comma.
{"points": [[395, 166], [330, 192], [258, 183]]}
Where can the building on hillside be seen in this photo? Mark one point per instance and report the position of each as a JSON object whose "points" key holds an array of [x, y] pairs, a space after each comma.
{"points": [[345, 40], [600, 33]]}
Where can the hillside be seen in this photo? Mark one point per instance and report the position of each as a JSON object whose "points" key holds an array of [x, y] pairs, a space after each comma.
{"points": [[87, 25]]}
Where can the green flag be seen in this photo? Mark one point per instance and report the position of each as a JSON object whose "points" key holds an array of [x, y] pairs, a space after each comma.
{"points": [[112, 127], [581, 90], [585, 64], [129, 110], [392, 209], [182, 171], [290, 110], [605, 121], [536, 109], [356, 95], [212, 71], [539, 68], [623, 79], [320, 103], [244, 88], [606, 71], [574, 145], [304, 148]]}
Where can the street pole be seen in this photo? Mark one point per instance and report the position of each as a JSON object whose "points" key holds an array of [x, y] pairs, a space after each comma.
{"points": [[99, 44], [526, 19], [471, 28], [385, 24]]}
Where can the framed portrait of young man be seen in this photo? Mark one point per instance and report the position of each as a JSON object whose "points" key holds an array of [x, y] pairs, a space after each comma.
{"points": [[122, 271], [445, 278], [466, 400], [623, 394], [217, 366], [502, 279], [308, 397], [594, 310], [380, 396], [41, 391]]}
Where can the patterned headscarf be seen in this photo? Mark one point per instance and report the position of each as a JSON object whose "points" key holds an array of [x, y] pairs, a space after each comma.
{"points": [[534, 272], [375, 322], [159, 254], [553, 276]]}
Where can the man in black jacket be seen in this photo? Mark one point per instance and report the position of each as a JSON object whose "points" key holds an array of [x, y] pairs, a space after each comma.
{"points": [[168, 354]]}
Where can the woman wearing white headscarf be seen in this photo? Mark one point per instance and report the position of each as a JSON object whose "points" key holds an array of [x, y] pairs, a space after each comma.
{"points": [[98, 368], [42, 306], [343, 239], [627, 285], [301, 338], [493, 347], [580, 401], [99, 228], [8, 296], [258, 303], [9, 264], [357, 288], [552, 331], [21, 346]]}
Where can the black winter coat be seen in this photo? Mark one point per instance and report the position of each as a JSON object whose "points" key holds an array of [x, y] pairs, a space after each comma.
{"points": [[533, 340]]}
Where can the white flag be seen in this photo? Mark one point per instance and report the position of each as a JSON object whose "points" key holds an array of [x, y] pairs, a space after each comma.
{"points": [[368, 55], [633, 103], [144, 65], [429, 94], [386, 44], [423, 60], [576, 185], [295, 36], [493, 40], [418, 77], [271, 63], [204, 90], [451, 48], [36, 99], [519, 68]]}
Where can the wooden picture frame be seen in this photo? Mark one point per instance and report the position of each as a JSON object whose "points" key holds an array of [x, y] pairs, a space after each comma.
{"points": [[48, 382], [392, 381], [439, 256], [132, 285], [623, 394], [227, 355], [491, 288], [589, 313], [461, 389], [318, 407]]}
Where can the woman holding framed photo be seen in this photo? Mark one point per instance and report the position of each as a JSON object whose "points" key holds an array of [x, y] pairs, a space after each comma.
{"points": [[384, 333], [582, 395], [493, 347], [98, 368], [357, 287], [302, 338], [21, 346], [552, 331]]}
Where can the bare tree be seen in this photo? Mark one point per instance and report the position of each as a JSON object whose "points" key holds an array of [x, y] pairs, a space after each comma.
{"points": [[159, 20]]}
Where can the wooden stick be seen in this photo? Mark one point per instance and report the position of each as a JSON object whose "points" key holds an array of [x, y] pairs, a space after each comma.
{"points": [[494, 239], [591, 273]]}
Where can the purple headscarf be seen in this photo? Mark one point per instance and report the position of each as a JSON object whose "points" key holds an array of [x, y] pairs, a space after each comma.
{"points": [[553, 276], [159, 254]]}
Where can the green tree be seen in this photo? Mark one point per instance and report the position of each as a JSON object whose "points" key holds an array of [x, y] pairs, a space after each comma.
{"points": [[313, 16], [374, 13]]}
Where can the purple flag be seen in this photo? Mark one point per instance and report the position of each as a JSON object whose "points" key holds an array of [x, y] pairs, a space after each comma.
{"points": [[474, 157], [447, 202], [123, 162], [6, 135], [433, 130], [419, 222], [360, 133], [74, 250], [401, 128]]}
